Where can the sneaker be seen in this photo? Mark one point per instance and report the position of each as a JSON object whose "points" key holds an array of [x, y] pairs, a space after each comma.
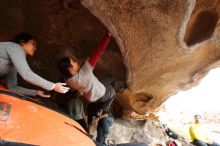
{"points": [[110, 143]]}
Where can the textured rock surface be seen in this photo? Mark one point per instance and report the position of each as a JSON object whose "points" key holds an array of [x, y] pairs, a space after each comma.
{"points": [[160, 46], [151, 133], [166, 46]]}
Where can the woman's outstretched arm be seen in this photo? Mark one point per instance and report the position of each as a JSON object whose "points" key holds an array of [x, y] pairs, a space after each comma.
{"points": [[98, 51]]}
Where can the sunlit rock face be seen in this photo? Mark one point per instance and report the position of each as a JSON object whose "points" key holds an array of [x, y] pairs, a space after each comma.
{"points": [[159, 46], [167, 46], [148, 132]]}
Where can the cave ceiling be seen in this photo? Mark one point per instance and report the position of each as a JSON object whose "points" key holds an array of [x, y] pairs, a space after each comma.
{"points": [[159, 47]]}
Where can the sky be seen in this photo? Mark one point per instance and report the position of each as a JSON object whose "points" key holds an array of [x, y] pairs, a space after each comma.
{"points": [[202, 98]]}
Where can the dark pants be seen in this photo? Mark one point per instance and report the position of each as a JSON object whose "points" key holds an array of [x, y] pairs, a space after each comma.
{"points": [[201, 143], [103, 129], [83, 124], [112, 86], [110, 92]]}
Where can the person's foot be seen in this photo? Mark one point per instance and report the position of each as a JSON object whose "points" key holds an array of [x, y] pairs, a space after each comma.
{"points": [[108, 142], [105, 142]]}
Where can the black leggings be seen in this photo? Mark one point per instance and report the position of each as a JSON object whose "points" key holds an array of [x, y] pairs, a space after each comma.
{"points": [[110, 85]]}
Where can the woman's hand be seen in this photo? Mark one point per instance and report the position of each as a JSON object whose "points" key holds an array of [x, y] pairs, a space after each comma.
{"points": [[59, 87], [109, 34], [42, 94]]}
